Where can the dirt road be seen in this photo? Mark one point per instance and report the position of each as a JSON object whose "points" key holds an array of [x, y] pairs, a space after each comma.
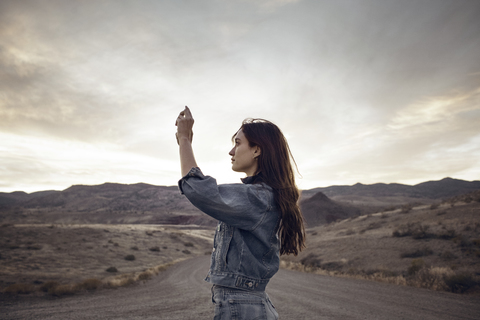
{"points": [[181, 293]]}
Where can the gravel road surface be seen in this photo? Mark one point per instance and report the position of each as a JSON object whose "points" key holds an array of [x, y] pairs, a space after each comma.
{"points": [[181, 293]]}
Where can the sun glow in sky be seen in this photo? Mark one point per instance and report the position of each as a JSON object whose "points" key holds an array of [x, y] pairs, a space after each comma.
{"points": [[366, 91]]}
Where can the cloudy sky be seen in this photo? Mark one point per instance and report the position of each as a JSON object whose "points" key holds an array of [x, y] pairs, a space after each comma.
{"points": [[365, 90]]}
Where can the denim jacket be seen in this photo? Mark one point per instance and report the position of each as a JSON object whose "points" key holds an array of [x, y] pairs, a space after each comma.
{"points": [[246, 248]]}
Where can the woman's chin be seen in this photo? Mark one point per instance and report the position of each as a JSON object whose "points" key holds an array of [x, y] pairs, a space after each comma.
{"points": [[235, 169]]}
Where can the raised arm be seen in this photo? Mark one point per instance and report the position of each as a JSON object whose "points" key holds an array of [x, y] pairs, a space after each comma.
{"points": [[184, 136]]}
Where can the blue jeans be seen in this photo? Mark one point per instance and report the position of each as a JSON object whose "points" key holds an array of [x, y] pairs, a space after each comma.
{"points": [[236, 304]]}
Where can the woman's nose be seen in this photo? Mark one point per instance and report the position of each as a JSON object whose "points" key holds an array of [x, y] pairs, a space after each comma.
{"points": [[232, 152]]}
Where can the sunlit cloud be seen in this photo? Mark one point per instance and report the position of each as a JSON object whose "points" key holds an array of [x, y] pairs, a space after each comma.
{"points": [[29, 163], [436, 110]]}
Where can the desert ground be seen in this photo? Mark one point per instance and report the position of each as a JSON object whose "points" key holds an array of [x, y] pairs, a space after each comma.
{"points": [[34, 255], [180, 293], [431, 246]]}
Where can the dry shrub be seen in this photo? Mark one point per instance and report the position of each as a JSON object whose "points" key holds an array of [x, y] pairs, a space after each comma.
{"points": [[145, 275], [416, 265], [383, 275], [443, 279], [448, 255], [466, 245], [349, 232], [297, 266], [403, 230], [34, 247], [371, 226], [149, 273], [419, 275], [312, 261], [332, 266], [121, 281], [416, 230], [406, 208], [90, 284], [20, 288], [62, 290], [431, 278], [461, 282], [161, 268], [384, 272], [476, 242], [129, 279], [417, 253], [421, 232], [48, 285], [56, 289], [165, 266], [447, 235]]}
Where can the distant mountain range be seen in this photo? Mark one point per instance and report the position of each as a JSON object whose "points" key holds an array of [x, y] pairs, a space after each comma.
{"points": [[435, 190], [144, 203]]}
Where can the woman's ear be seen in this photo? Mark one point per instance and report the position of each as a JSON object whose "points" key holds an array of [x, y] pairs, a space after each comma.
{"points": [[257, 151]]}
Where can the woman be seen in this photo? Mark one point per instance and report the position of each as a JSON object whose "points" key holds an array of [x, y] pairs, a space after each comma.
{"points": [[258, 220]]}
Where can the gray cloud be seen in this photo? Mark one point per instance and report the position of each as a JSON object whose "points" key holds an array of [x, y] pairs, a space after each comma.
{"points": [[355, 77]]}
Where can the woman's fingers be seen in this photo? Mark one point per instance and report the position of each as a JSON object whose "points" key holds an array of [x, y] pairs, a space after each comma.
{"points": [[184, 123], [180, 117], [187, 112], [184, 115]]}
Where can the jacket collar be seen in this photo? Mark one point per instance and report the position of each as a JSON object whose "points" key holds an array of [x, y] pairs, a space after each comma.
{"points": [[251, 179]]}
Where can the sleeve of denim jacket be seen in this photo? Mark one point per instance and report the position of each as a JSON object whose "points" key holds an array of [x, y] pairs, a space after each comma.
{"points": [[239, 205]]}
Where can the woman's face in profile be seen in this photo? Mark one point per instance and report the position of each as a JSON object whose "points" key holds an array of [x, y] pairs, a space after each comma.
{"points": [[243, 156]]}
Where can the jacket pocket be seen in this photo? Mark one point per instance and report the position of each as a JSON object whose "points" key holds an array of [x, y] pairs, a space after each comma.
{"points": [[225, 235]]}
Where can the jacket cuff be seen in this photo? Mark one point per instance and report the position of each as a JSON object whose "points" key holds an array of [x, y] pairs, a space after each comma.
{"points": [[194, 172]]}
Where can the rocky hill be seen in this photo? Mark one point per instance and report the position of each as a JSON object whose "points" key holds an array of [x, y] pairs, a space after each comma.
{"points": [[149, 204], [106, 203], [319, 209]]}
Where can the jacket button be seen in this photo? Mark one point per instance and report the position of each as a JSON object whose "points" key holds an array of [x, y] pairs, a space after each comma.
{"points": [[250, 284]]}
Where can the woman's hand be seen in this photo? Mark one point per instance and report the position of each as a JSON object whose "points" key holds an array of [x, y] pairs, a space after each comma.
{"points": [[184, 135], [184, 125]]}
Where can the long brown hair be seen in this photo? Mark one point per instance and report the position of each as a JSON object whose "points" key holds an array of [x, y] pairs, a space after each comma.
{"points": [[276, 170]]}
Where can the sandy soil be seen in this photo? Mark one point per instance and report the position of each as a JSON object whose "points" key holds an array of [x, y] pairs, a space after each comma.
{"points": [[34, 254], [366, 243], [180, 293], [71, 253]]}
